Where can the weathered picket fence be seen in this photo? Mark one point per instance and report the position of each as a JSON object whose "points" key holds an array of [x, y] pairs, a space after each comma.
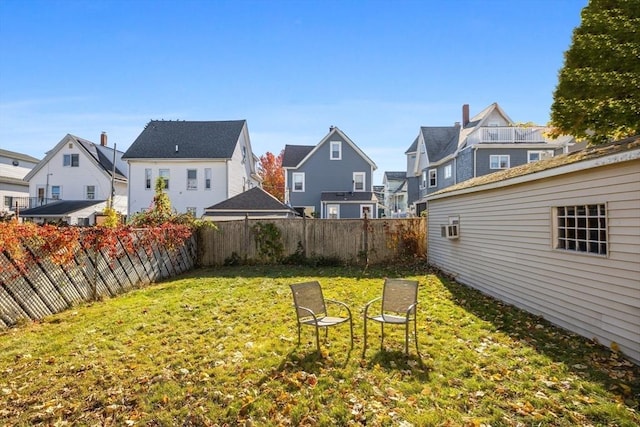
{"points": [[349, 240], [46, 288]]}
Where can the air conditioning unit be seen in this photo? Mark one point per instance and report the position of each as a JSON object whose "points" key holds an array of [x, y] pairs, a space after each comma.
{"points": [[451, 230]]}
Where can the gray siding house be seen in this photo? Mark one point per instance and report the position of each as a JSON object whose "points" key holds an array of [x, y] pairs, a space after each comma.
{"points": [[486, 143], [330, 180], [559, 238]]}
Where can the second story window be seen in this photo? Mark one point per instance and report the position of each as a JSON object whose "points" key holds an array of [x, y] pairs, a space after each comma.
{"points": [[147, 179], [500, 161], [56, 192], [192, 179], [336, 150], [447, 172], [534, 156], [433, 178], [164, 174], [72, 160], [423, 181], [358, 181], [91, 192], [298, 181], [207, 178]]}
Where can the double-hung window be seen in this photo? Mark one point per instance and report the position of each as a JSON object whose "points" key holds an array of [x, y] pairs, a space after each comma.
{"points": [[447, 172], [56, 192], [71, 160], [164, 174], [207, 178], [333, 211], [433, 178], [336, 150], [91, 192], [192, 179], [359, 181], [298, 181], [499, 161], [147, 179]]}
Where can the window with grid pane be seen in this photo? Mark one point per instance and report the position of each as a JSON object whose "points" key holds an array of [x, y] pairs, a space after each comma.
{"points": [[582, 228], [192, 179]]}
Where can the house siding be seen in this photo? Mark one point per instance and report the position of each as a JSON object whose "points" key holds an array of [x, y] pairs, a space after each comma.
{"points": [[323, 174], [505, 250], [140, 198]]}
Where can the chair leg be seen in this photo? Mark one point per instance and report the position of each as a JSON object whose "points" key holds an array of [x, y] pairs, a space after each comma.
{"points": [[298, 333], [364, 348], [351, 330], [318, 339], [406, 338], [415, 332], [382, 336]]}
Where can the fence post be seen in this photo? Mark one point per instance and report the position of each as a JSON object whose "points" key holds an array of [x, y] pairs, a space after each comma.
{"points": [[246, 237], [365, 221]]}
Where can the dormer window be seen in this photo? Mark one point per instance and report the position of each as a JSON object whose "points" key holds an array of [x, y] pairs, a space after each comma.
{"points": [[336, 150]]}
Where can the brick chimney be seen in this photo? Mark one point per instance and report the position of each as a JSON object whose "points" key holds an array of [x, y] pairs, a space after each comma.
{"points": [[103, 139], [465, 115]]}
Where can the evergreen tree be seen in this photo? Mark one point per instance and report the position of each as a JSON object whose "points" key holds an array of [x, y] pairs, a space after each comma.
{"points": [[598, 91]]}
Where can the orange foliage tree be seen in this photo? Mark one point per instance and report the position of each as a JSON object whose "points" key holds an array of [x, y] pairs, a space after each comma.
{"points": [[272, 174]]}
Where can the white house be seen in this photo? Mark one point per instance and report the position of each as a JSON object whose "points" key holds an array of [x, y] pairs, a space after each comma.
{"points": [[75, 181], [202, 163], [559, 238], [14, 190]]}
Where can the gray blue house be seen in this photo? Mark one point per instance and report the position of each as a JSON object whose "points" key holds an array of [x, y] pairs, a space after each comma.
{"points": [[442, 156], [332, 179]]}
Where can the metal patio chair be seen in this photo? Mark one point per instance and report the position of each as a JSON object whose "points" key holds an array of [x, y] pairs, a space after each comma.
{"points": [[311, 310], [398, 305]]}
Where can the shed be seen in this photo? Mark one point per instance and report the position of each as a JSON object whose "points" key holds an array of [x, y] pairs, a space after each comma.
{"points": [[559, 238]]}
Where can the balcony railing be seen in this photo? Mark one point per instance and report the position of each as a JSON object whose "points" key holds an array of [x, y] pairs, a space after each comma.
{"points": [[11, 202], [505, 135]]}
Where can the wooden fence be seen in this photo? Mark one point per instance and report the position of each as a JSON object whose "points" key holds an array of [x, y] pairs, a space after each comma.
{"points": [[351, 240], [47, 288]]}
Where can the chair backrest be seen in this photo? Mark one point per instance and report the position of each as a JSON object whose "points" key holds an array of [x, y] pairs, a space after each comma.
{"points": [[308, 295], [398, 295]]}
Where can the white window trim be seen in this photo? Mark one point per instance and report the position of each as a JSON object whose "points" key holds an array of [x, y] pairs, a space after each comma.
{"points": [[195, 180], [452, 229], [542, 154], [86, 192], [364, 181], [59, 192], [433, 172], [293, 182], [167, 178], [362, 207], [580, 231], [339, 144], [330, 206], [499, 156], [148, 185], [207, 179], [448, 171]]}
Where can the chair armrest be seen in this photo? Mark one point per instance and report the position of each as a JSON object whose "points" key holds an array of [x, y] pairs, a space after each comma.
{"points": [[340, 303], [366, 307], [411, 308]]}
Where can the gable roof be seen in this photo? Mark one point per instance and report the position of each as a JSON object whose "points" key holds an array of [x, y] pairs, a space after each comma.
{"points": [[333, 130], [397, 176], [167, 139], [251, 202], [440, 141], [101, 155], [628, 149], [18, 156], [59, 209], [293, 154]]}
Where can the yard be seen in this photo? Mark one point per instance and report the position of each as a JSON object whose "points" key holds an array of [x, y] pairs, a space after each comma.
{"points": [[219, 347]]}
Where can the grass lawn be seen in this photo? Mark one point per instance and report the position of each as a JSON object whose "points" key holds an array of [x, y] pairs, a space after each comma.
{"points": [[219, 347]]}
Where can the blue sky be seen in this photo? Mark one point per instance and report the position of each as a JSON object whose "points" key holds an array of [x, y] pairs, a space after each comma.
{"points": [[376, 69]]}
